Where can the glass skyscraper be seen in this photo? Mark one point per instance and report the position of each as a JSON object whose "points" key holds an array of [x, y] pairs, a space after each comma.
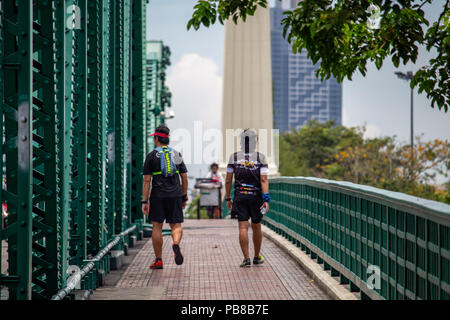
{"points": [[298, 96]]}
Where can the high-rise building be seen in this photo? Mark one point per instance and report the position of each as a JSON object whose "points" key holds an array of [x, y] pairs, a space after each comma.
{"points": [[298, 96], [158, 96]]}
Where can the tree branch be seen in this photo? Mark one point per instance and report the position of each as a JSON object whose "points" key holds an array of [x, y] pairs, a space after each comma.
{"points": [[446, 7], [426, 1]]}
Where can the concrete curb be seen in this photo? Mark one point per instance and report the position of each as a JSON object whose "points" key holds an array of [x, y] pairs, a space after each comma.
{"points": [[323, 279]]}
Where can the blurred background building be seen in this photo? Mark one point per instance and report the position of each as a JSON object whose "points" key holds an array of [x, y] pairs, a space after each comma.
{"points": [[158, 96], [298, 95]]}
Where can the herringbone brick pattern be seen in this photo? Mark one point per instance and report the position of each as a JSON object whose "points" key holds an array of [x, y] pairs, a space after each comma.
{"points": [[3, 292]]}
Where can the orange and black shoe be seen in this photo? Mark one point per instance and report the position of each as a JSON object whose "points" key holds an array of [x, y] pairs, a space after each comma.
{"points": [[177, 254], [157, 264]]}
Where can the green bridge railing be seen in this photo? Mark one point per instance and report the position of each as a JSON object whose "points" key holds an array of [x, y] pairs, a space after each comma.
{"points": [[349, 227]]}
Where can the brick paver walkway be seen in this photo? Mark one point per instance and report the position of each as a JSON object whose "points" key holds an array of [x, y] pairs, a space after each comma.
{"points": [[3, 292], [211, 270], [4, 257]]}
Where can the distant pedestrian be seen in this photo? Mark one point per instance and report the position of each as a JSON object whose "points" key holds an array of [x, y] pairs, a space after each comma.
{"points": [[217, 179], [251, 193], [163, 168]]}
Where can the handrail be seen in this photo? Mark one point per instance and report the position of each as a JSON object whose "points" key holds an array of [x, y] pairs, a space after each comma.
{"points": [[349, 227], [369, 192], [75, 279]]}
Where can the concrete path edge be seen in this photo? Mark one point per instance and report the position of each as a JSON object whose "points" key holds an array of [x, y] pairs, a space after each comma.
{"points": [[315, 270]]}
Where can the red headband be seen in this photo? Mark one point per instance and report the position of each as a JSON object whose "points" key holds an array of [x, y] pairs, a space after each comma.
{"points": [[162, 135]]}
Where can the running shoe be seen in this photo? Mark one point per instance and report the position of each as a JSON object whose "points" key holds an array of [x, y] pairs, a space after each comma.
{"points": [[258, 260], [157, 264], [177, 253], [246, 263]]}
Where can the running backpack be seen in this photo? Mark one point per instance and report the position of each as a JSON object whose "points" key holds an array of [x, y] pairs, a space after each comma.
{"points": [[167, 158]]}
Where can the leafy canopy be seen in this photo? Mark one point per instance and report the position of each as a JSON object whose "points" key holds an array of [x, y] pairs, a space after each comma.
{"points": [[339, 153], [336, 34]]}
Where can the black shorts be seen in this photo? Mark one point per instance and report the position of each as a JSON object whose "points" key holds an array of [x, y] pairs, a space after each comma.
{"points": [[168, 209], [245, 208]]}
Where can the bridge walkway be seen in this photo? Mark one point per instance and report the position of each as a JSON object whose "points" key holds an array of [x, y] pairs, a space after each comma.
{"points": [[211, 270]]}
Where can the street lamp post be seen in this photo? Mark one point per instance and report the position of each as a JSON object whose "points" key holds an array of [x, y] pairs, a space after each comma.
{"points": [[408, 77]]}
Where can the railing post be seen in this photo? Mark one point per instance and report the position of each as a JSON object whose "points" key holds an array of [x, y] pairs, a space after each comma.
{"points": [[110, 78], [97, 122], [78, 248], [138, 110], [122, 109]]}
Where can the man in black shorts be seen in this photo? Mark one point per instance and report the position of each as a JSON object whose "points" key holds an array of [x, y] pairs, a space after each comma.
{"points": [[163, 168], [251, 193]]}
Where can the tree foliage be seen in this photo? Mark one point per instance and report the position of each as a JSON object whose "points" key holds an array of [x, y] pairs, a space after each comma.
{"points": [[340, 153], [335, 33]]}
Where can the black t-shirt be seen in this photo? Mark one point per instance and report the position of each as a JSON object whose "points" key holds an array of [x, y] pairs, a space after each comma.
{"points": [[247, 169], [164, 187]]}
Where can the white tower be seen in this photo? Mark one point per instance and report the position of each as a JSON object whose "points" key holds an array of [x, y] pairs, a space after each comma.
{"points": [[247, 85]]}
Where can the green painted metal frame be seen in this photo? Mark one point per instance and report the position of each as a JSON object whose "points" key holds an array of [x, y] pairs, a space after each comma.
{"points": [[138, 114], [151, 82], [56, 242], [107, 88], [16, 114], [45, 215], [78, 226], [111, 76], [58, 110], [122, 111], [348, 227], [97, 117], [119, 123], [127, 95]]}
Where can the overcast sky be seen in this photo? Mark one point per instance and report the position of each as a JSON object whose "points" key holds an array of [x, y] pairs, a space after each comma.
{"points": [[380, 100]]}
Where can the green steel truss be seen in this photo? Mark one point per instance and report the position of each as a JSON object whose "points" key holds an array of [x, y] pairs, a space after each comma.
{"points": [[150, 114], [78, 223], [16, 119], [96, 127], [110, 73], [71, 142], [138, 113], [122, 109]]}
